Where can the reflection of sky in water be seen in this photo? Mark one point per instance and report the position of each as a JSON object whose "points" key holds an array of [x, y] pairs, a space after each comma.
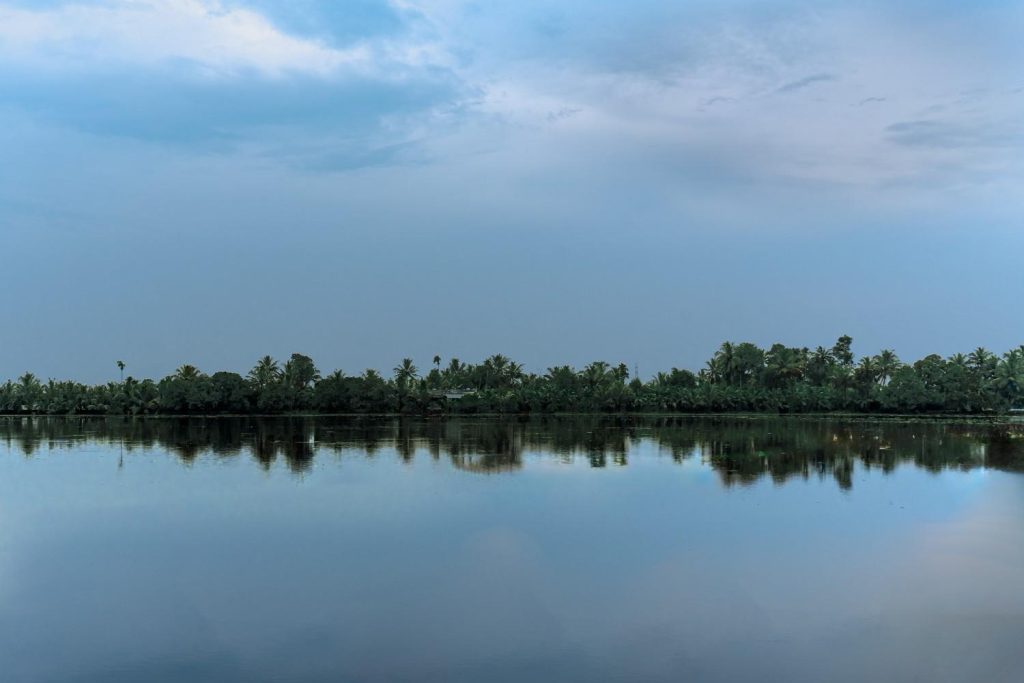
{"points": [[379, 569]]}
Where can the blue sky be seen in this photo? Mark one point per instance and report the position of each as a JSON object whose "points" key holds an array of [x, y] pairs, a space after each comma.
{"points": [[362, 180]]}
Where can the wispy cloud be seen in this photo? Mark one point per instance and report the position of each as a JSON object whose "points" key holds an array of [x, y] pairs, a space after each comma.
{"points": [[804, 82], [718, 99], [562, 113], [951, 135]]}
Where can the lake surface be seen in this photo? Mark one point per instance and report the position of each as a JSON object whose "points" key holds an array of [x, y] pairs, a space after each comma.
{"points": [[487, 549]]}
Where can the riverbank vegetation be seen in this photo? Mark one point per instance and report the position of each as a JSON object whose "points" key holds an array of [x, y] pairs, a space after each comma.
{"points": [[740, 377]]}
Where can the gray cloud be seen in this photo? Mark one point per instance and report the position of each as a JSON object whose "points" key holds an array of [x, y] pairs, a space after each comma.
{"points": [[357, 118], [805, 81], [711, 101], [943, 134], [563, 113]]}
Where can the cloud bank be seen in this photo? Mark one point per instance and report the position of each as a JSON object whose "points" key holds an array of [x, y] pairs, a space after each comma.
{"points": [[534, 160]]}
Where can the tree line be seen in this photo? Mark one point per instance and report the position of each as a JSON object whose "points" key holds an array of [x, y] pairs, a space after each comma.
{"points": [[740, 377]]}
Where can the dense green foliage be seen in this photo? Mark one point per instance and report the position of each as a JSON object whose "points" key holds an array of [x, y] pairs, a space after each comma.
{"points": [[740, 377]]}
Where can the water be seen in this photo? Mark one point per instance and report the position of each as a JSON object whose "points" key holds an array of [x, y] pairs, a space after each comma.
{"points": [[575, 549]]}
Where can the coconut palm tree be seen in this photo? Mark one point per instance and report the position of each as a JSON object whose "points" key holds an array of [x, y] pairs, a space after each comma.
{"points": [[723, 364], [493, 370], [596, 374], [866, 371], [121, 366], [982, 361], [708, 374], [886, 363], [783, 365], [453, 376], [621, 373], [29, 392], [818, 363], [1009, 376], [187, 372], [265, 372], [405, 372], [514, 373]]}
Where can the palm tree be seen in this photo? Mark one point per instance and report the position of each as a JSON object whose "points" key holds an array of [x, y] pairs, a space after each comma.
{"points": [[187, 372], [621, 372], [437, 362], [822, 355], [595, 374], [784, 364], [724, 362], [453, 376], [561, 374], [120, 366], [374, 391], [494, 369], [887, 363], [709, 374], [265, 372], [818, 364], [514, 373], [982, 361], [406, 372], [30, 392], [1009, 376], [840, 375], [866, 372]]}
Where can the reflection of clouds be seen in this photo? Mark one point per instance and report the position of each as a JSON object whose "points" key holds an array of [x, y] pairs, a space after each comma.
{"points": [[979, 550], [944, 600], [377, 569]]}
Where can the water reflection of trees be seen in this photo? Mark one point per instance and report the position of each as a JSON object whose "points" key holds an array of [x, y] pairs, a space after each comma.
{"points": [[741, 450]]}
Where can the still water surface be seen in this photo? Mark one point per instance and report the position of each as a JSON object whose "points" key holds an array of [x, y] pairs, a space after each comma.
{"points": [[573, 549]]}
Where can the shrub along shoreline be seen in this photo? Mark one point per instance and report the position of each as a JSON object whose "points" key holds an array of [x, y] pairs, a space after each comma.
{"points": [[740, 377]]}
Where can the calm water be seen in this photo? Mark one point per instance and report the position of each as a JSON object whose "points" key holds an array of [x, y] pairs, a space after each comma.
{"points": [[503, 550]]}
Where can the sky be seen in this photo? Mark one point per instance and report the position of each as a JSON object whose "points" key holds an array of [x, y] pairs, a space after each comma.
{"points": [[559, 180]]}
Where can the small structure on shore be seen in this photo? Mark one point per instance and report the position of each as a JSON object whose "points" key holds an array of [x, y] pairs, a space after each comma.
{"points": [[451, 394]]}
